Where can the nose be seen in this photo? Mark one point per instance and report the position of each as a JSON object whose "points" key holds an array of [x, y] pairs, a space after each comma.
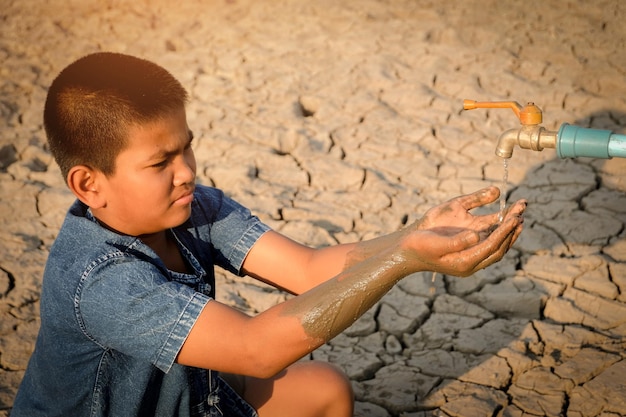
{"points": [[185, 169]]}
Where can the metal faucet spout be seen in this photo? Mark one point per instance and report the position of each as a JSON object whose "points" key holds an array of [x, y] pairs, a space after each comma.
{"points": [[531, 137], [569, 141], [506, 143]]}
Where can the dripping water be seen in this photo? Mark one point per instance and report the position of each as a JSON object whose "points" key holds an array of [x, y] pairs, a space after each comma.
{"points": [[505, 179], [432, 284]]}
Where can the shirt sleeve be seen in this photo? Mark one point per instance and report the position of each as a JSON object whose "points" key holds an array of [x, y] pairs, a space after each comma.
{"points": [[128, 304], [223, 227], [234, 235]]}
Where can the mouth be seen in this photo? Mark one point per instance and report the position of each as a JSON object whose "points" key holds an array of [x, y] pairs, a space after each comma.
{"points": [[184, 199]]}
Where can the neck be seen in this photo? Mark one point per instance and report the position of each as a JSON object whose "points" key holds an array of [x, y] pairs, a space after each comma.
{"points": [[164, 245]]}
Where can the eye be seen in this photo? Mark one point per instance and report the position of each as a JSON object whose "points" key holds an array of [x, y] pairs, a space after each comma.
{"points": [[160, 164]]}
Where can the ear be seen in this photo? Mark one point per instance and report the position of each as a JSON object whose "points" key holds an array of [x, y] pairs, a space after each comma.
{"points": [[85, 183]]}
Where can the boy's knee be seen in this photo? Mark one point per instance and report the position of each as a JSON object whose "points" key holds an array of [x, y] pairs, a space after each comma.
{"points": [[340, 400], [314, 388], [333, 381], [333, 372]]}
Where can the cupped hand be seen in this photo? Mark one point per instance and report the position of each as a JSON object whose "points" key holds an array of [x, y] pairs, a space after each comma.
{"points": [[451, 240]]}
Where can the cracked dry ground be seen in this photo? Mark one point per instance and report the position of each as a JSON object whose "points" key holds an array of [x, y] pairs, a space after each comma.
{"points": [[339, 121]]}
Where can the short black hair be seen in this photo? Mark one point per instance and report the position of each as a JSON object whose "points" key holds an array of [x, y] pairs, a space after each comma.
{"points": [[95, 100]]}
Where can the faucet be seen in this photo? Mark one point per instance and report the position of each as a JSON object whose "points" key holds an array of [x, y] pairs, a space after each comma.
{"points": [[569, 141]]}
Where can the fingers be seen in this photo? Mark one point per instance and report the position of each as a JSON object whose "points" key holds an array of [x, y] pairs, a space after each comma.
{"points": [[492, 248], [462, 241], [516, 209], [501, 240], [479, 198], [474, 242], [493, 220]]}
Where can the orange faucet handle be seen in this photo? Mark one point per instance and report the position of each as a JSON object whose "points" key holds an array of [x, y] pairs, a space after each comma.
{"points": [[530, 114]]}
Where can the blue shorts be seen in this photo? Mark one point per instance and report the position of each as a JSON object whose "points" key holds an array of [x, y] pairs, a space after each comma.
{"points": [[224, 401]]}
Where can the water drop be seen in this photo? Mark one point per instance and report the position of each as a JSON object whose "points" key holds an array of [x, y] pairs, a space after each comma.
{"points": [[503, 189], [432, 288]]}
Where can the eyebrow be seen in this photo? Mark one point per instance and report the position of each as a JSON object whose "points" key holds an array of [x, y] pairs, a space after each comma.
{"points": [[166, 154]]}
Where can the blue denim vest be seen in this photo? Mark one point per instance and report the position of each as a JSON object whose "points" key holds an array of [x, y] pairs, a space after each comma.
{"points": [[113, 317]]}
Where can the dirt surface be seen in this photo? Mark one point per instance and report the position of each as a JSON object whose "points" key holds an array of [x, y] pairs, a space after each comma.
{"points": [[341, 120]]}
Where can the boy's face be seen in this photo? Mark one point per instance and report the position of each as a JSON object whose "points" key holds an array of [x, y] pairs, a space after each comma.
{"points": [[152, 187]]}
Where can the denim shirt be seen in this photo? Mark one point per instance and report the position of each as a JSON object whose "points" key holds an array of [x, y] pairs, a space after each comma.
{"points": [[113, 317]]}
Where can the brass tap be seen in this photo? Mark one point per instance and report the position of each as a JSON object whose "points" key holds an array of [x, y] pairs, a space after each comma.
{"points": [[529, 136], [527, 115]]}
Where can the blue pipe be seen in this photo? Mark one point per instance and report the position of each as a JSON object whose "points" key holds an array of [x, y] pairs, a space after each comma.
{"points": [[575, 141]]}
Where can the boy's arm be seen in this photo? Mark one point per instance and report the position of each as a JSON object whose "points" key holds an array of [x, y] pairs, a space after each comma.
{"points": [[284, 263], [296, 268], [448, 239], [291, 266]]}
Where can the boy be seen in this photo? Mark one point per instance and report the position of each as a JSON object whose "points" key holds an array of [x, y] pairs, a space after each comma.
{"points": [[129, 326]]}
